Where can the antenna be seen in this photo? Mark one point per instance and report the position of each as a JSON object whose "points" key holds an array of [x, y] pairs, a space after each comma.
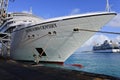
{"points": [[108, 6], [31, 10]]}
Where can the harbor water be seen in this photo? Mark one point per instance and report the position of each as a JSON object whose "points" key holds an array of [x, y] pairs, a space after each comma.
{"points": [[101, 63]]}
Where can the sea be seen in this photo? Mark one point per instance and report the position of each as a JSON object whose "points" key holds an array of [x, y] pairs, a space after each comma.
{"points": [[100, 63]]}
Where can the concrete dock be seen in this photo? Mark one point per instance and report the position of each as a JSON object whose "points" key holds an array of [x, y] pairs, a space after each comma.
{"points": [[13, 70]]}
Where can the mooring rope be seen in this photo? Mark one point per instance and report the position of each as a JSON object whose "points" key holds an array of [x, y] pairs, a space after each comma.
{"points": [[45, 47], [107, 32]]}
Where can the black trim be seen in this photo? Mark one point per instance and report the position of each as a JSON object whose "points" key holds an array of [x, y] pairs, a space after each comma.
{"points": [[68, 19], [32, 62]]}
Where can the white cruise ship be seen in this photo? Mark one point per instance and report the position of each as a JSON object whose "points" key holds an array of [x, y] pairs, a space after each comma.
{"points": [[51, 40], [107, 47]]}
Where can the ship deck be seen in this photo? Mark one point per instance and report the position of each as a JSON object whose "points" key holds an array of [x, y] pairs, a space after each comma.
{"points": [[13, 70]]}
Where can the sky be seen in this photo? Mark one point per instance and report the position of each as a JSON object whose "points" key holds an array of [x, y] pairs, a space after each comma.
{"points": [[56, 8]]}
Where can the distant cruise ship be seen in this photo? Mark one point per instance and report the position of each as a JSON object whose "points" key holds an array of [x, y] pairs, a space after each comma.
{"points": [[107, 47], [50, 40]]}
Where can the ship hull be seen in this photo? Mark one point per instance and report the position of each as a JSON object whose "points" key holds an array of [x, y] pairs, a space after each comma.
{"points": [[108, 51], [55, 41]]}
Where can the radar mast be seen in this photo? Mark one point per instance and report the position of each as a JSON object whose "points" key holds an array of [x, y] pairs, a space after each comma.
{"points": [[108, 9]]}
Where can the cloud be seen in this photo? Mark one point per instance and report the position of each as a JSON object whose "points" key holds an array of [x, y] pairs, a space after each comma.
{"points": [[115, 22], [117, 38], [75, 11], [92, 41], [96, 39], [26, 11]]}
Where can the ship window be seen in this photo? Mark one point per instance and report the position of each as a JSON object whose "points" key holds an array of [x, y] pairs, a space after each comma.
{"points": [[10, 30], [40, 51], [19, 25], [10, 22], [28, 36], [33, 35], [24, 21], [9, 15]]}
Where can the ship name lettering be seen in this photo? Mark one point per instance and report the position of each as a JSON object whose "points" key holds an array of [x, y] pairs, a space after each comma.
{"points": [[43, 27]]}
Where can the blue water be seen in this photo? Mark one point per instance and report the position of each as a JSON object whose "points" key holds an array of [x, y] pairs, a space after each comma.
{"points": [[101, 63]]}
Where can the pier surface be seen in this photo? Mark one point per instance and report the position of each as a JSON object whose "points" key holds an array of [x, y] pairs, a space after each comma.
{"points": [[13, 70]]}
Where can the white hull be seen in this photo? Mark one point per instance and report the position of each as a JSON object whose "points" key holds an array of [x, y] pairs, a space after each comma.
{"points": [[58, 47], [108, 51]]}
